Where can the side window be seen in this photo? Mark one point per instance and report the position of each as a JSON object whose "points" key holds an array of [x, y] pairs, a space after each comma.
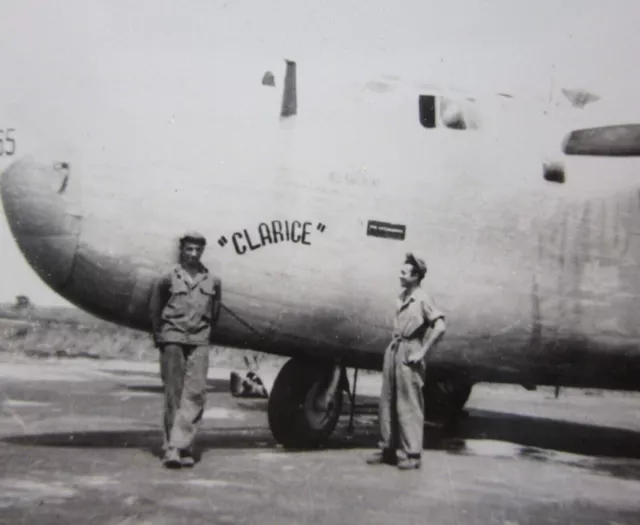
{"points": [[444, 112], [427, 110], [451, 114]]}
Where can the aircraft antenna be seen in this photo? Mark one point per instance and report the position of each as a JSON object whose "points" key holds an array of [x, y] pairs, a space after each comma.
{"points": [[289, 94]]}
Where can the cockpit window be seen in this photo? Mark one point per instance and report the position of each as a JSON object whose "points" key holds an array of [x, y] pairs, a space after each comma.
{"points": [[445, 112], [427, 108], [452, 114]]}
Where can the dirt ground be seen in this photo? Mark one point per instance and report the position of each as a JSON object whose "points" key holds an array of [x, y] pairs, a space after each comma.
{"points": [[79, 444]]}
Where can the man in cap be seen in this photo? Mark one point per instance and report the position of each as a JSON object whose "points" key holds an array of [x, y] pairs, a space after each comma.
{"points": [[418, 326], [184, 307]]}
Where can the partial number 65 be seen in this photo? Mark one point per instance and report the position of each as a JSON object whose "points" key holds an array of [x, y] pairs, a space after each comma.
{"points": [[7, 142]]}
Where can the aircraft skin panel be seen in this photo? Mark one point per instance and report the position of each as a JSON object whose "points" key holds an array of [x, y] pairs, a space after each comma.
{"points": [[588, 292], [495, 338]]}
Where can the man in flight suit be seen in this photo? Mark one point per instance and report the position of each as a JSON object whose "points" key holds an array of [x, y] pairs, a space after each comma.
{"points": [[184, 307], [418, 326]]}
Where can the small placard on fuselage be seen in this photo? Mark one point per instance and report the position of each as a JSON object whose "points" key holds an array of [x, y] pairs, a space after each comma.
{"points": [[386, 230]]}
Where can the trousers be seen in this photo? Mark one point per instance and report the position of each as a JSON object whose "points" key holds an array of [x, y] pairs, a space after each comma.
{"points": [[401, 409], [184, 376]]}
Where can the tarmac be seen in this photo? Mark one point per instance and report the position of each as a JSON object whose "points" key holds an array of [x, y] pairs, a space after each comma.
{"points": [[80, 439]]}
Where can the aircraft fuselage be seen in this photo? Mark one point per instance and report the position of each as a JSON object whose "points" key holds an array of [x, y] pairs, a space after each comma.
{"points": [[309, 217]]}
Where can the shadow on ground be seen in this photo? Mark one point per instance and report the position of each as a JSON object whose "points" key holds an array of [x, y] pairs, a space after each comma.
{"points": [[147, 440], [213, 386], [532, 433], [535, 435], [542, 433]]}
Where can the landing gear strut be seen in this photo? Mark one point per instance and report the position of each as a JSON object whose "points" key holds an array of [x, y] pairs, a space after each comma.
{"points": [[306, 400], [305, 403]]}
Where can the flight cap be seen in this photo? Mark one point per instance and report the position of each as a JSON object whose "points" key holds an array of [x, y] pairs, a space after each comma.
{"points": [[418, 263], [193, 237]]}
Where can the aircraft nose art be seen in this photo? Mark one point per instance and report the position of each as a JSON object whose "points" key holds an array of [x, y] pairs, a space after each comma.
{"points": [[42, 218]]}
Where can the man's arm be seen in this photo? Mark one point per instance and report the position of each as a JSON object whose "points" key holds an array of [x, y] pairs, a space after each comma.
{"points": [[215, 307], [434, 317], [436, 334], [157, 301]]}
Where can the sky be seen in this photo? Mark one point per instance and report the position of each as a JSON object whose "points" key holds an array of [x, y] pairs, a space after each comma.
{"points": [[77, 52]]}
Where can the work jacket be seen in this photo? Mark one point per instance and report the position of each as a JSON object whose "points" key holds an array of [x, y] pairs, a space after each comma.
{"points": [[415, 315], [184, 310]]}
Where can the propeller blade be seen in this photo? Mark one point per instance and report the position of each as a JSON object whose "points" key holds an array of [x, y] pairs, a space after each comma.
{"points": [[605, 141]]}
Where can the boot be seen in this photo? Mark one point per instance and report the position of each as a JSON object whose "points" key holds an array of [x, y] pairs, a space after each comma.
{"points": [[410, 463], [172, 459], [384, 457]]}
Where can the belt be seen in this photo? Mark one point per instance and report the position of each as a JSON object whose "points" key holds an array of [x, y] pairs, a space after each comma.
{"points": [[397, 339]]}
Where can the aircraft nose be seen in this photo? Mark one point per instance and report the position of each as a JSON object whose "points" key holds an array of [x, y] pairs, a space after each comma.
{"points": [[44, 221]]}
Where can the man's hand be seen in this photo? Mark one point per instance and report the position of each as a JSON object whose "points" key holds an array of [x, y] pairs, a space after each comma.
{"points": [[415, 357], [436, 335]]}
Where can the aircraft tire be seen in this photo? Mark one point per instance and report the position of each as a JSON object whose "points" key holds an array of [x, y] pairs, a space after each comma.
{"points": [[294, 418], [445, 395]]}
